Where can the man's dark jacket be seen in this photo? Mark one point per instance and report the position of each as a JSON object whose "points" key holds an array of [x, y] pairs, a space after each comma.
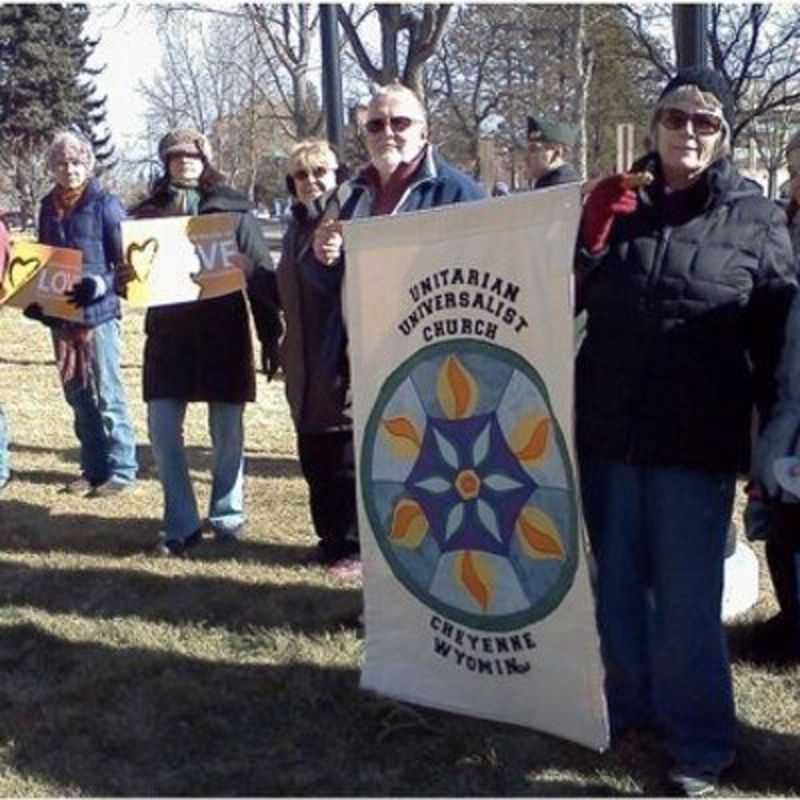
{"points": [[326, 376], [686, 316], [555, 177], [203, 351]]}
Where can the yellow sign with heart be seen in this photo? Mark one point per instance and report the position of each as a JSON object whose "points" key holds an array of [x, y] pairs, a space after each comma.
{"points": [[37, 273], [172, 260]]}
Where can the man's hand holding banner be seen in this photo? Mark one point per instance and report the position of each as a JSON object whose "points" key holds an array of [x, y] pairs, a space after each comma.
{"points": [[182, 259]]}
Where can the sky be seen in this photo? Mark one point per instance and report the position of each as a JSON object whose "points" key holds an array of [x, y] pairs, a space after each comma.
{"points": [[131, 52]]}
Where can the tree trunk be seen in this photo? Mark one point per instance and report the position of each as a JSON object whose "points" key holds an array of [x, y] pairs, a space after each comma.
{"points": [[584, 61]]}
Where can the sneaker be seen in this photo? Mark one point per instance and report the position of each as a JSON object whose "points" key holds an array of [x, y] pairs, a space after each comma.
{"points": [[692, 781], [347, 569], [111, 487], [80, 487], [178, 548], [4, 483]]}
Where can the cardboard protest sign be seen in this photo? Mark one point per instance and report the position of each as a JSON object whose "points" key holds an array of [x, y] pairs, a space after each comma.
{"points": [[477, 593], [183, 259], [37, 273]]}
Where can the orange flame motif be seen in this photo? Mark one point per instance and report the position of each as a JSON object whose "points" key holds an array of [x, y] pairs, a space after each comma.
{"points": [[409, 524], [456, 389], [530, 438], [404, 438], [472, 572], [539, 535]]}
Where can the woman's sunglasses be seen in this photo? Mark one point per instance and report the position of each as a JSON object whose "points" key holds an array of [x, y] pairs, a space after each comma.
{"points": [[303, 175], [397, 124], [703, 123]]}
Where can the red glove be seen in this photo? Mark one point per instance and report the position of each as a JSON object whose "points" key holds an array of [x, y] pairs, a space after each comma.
{"points": [[608, 199]]}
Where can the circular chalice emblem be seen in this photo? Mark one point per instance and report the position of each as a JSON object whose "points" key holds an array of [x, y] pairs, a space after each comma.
{"points": [[468, 486]]}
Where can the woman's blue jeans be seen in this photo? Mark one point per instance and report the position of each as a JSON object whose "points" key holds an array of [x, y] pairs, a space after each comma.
{"points": [[102, 422], [658, 536], [226, 508]]}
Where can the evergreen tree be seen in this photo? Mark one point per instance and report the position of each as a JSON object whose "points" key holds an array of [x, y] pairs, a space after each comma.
{"points": [[45, 86]]}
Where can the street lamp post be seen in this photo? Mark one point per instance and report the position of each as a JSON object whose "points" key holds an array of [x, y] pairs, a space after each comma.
{"points": [[331, 75], [689, 24]]}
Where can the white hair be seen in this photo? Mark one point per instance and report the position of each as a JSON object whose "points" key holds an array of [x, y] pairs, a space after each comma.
{"points": [[68, 144]]}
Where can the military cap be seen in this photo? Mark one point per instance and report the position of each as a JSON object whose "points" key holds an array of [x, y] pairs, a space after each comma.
{"points": [[553, 132]]}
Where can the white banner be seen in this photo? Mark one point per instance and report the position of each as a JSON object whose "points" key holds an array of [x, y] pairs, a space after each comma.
{"points": [[477, 595]]}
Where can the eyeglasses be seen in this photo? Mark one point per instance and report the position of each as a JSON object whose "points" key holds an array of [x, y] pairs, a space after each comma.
{"points": [[303, 175], [703, 123], [397, 124]]}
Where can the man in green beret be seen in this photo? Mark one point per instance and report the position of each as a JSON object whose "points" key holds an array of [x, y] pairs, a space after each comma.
{"points": [[548, 143]]}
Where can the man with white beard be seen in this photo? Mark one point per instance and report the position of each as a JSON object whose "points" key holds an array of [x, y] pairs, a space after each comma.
{"points": [[405, 173]]}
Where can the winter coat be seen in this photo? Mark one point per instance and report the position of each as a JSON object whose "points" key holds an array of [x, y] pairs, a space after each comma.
{"points": [[686, 314], [202, 351], [315, 361], [781, 435], [316, 397], [794, 226], [555, 177], [93, 227]]}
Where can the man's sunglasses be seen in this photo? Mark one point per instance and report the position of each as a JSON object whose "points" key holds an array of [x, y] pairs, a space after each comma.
{"points": [[397, 124], [703, 123], [303, 175]]}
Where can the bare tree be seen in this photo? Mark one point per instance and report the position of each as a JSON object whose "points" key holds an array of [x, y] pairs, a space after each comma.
{"points": [[284, 35], [464, 87], [409, 36], [755, 46], [214, 78]]}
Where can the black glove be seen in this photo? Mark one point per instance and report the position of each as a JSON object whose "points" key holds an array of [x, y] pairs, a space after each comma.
{"points": [[270, 360], [35, 312], [83, 293]]}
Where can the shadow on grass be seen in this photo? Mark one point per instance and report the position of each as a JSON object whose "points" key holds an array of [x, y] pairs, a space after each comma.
{"points": [[62, 453], [44, 477], [27, 362], [178, 600], [273, 467], [31, 528], [135, 722], [200, 459]]}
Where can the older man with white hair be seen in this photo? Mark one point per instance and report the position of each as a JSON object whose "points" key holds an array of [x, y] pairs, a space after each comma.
{"points": [[405, 173], [79, 214]]}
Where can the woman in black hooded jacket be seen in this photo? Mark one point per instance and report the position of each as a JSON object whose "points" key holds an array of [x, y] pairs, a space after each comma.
{"points": [[686, 283]]}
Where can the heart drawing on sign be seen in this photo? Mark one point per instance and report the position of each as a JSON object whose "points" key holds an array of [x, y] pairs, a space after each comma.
{"points": [[20, 269], [142, 257]]}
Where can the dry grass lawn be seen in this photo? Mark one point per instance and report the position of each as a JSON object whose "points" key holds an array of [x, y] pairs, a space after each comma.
{"points": [[236, 673]]}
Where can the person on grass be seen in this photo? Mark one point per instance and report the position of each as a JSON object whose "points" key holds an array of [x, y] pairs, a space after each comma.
{"points": [[202, 352], [317, 397], [778, 639], [79, 214], [687, 283], [405, 173]]}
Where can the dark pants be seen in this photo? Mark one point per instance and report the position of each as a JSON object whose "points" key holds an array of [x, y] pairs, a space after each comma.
{"points": [[658, 535], [783, 557], [328, 464]]}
